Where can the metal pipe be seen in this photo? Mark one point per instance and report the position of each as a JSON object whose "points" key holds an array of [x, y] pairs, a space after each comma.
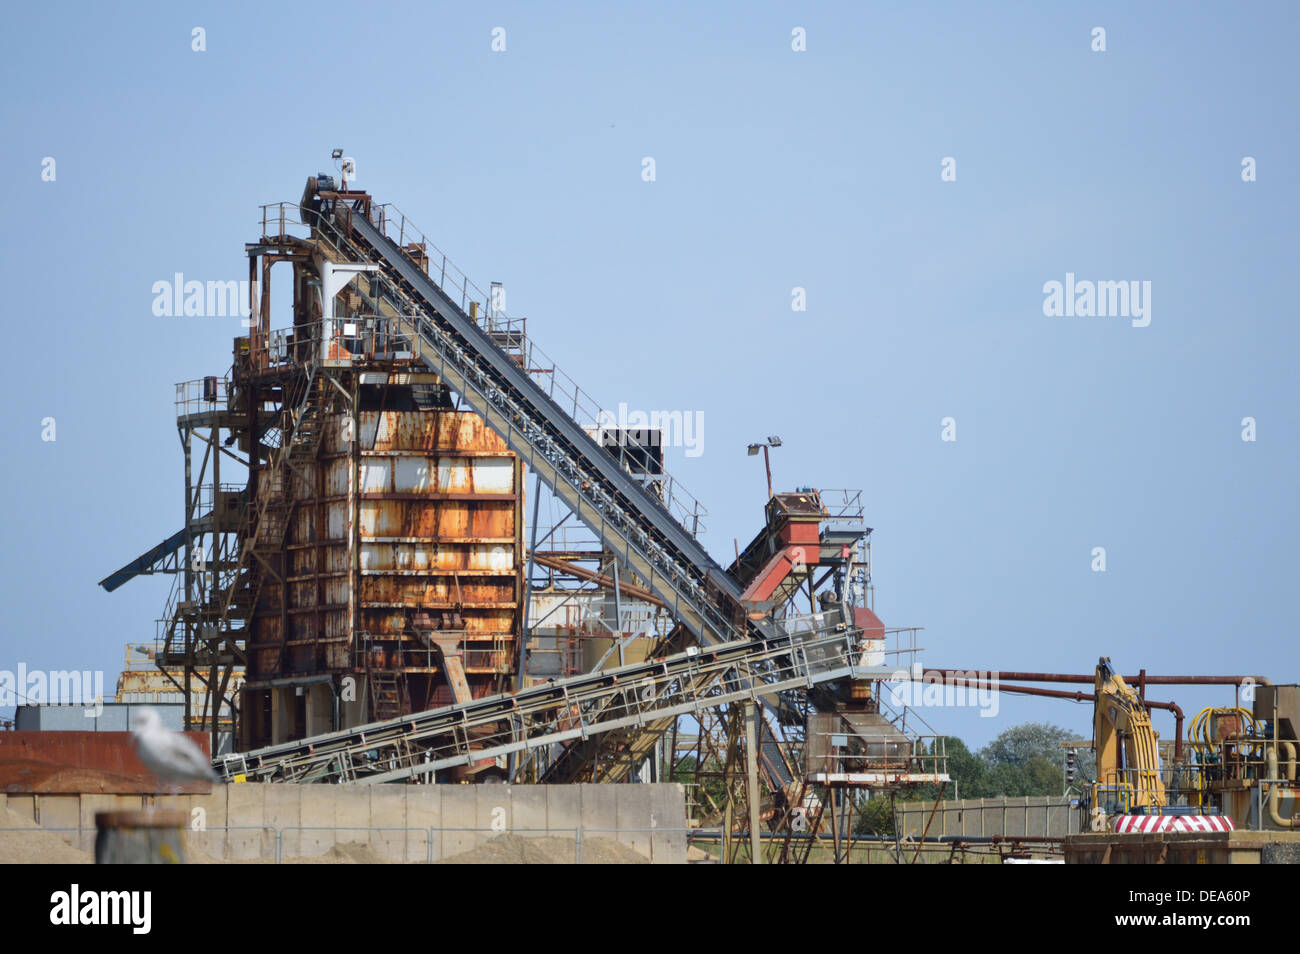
{"points": [[1073, 696], [1289, 748], [1270, 762], [1090, 678], [600, 579], [1089, 697]]}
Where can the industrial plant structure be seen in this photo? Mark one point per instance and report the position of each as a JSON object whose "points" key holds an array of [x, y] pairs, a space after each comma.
{"points": [[373, 565], [366, 588]]}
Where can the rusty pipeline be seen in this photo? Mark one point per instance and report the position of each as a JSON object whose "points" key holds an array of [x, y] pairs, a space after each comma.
{"points": [[1142, 678], [1077, 696]]}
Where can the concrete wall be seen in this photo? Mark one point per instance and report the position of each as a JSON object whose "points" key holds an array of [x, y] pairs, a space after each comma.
{"points": [[398, 823], [1030, 816]]}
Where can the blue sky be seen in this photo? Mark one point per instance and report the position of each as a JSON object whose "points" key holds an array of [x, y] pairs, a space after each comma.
{"points": [[774, 169]]}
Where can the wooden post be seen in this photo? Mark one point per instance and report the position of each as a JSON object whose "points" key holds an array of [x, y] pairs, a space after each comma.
{"points": [[140, 838]]}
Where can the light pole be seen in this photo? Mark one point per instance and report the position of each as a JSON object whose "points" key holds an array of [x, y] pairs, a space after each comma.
{"points": [[767, 460]]}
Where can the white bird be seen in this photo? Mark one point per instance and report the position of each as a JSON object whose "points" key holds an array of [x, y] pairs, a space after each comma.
{"points": [[168, 754]]}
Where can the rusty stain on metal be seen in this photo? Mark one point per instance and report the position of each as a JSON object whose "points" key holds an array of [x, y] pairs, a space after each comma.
{"points": [[67, 762], [435, 530]]}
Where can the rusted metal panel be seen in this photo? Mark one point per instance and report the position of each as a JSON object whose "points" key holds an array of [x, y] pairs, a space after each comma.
{"points": [[268, 601], [336, 591], [337, 656], [410, 474], [433, 430], [453, 520], [336, 521], [418, 590], [873, 636], [76, 762], [375, 475], [337, 562], [468, 556], [302, 527], [337, 475], [439, 529]]}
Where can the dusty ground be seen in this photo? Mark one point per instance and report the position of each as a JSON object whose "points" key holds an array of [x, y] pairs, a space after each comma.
{"points": [[518, 850], [35, 846]]}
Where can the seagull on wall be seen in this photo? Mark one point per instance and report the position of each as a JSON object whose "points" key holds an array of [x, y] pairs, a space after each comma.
{"points": [[169, 755]]}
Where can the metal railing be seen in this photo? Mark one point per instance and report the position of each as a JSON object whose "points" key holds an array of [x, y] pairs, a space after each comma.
{"points": [[843, 506], [482, 653], [140, 656], [843, 751], [509, 332], [165, 627], [283, 220], [366, 337], [905, 717], [1027, 816], [201, 396], [1129, 791]]}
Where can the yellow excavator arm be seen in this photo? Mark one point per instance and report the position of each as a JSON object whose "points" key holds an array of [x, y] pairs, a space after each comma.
{"points": [[1128, 761]]}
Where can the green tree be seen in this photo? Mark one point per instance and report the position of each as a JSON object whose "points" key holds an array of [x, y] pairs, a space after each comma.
{"points": [[1029, 759], [969, 772], [1020, 743], [1043, 777], [875, 817]]}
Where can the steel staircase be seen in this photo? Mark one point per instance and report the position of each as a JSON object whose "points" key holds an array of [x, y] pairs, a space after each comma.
{"points": [[386, 696], [267, 523], [309, 419]]}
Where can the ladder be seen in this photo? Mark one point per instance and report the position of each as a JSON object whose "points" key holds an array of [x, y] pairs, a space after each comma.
{"points": [[387, 698]]}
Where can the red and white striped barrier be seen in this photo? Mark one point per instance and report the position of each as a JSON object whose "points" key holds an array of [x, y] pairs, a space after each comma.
{"points": [[1148, 824]]}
